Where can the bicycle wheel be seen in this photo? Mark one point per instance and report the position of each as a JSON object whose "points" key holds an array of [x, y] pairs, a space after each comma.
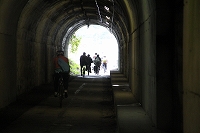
{"points": [[61, 92], [88, 72], [83, 71], [97, 70]]}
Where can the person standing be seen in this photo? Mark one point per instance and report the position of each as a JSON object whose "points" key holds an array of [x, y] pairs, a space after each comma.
{"points": [[89, 61], [105, 61], [83, 61], [97, 63], [61, 66]]}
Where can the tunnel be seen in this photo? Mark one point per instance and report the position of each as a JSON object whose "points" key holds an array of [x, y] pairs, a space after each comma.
{"points": [[158, 42]]}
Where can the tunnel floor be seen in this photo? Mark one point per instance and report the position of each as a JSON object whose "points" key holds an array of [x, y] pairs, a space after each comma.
{"points": [[89, 108]]}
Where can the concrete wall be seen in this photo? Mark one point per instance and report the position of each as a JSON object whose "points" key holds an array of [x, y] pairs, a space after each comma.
{"points": [[156, 60], [164, 64], [142, 52], [169, 64], [178, 68], [33, 48], [28, 43], [191, 67], [9, 14], [148, 58]]}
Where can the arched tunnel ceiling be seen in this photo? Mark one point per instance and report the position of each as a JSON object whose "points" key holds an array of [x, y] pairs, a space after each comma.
{"points": [[70, 15]]}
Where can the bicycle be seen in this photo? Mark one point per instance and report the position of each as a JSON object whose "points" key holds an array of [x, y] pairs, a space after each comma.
{"points": [[60, 90], [96, 69], [84, 69]]}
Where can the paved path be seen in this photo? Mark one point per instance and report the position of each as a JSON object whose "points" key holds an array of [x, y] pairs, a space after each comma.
{"points": [[88, 109]]}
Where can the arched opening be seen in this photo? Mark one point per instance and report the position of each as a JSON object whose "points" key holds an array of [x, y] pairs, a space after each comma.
{"points": [[96, 39]]}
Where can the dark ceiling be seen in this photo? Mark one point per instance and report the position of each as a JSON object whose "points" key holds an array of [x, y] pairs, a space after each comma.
{"points": [[77, 13]]}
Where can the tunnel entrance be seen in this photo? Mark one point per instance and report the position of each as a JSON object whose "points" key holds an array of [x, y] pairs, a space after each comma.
{"points": [[96, 39]]}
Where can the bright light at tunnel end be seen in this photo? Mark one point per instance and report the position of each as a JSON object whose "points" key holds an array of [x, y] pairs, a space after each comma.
{"points": [[97, 39]]}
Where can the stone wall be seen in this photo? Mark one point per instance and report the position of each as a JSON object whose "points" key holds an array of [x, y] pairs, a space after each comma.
{"points": [[191, 67]]}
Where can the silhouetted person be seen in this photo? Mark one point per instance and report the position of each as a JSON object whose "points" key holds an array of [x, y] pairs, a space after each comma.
{"points": [[97, 63], [89, 61], [83, 61]]}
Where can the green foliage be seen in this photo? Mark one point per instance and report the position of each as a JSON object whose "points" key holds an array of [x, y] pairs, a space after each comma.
{"points": [[74, 43], [74, 68]]}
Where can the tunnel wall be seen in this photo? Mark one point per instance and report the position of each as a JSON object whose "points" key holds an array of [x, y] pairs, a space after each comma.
{"points": [[143, 54], [33, 49], [28, 39], [39, 36], [9, 14], [177, 108], [169, 64], [148, 58], [156, 60], [191, 67], [164, 64]]}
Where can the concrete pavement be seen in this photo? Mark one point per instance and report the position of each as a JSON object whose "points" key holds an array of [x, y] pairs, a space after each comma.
{"points": [[96, 103], [88, 109], [131, 118]]}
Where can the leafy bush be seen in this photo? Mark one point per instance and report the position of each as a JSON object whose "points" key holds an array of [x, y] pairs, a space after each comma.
{"points": [[74, 68]]}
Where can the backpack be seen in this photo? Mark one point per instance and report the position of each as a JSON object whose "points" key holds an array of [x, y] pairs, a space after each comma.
{"points": [[97, 61], [64, 65]]}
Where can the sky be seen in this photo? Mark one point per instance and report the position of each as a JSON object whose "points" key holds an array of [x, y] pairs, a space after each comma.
{"points": [[97, 39]]}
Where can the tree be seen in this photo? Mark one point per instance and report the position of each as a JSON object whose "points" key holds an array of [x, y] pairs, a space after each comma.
{"points": [[74, 43]]}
